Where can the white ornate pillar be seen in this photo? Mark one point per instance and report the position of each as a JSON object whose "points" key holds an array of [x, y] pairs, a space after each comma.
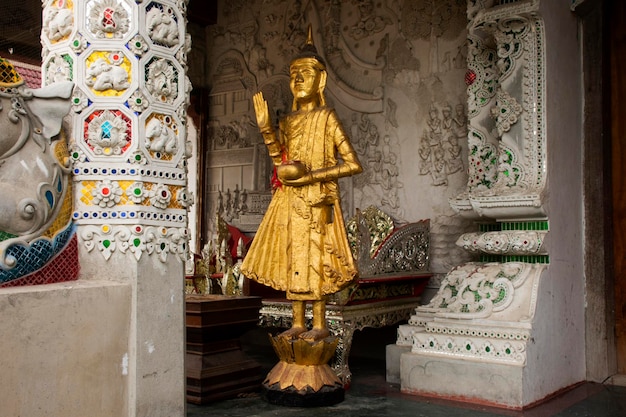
{"points": [[128, 148], [478, 338]]}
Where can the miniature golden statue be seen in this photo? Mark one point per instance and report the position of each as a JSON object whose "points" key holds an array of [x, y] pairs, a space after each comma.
{"points": [[301, 245]]}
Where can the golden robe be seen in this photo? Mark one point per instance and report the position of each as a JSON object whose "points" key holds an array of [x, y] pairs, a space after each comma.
{"points": [[301, 245]]}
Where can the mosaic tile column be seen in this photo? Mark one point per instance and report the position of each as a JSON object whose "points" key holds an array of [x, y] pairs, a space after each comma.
{"points": [[128, 150]]}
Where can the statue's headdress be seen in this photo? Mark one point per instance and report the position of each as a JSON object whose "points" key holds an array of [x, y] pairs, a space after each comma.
{"points": [[309, 50], [9, 77]]}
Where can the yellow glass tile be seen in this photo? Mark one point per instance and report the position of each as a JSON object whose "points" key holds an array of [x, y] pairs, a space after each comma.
{"points": [[124, 185], [85, 192], [65, 213], [174, 204], [9, 77]]}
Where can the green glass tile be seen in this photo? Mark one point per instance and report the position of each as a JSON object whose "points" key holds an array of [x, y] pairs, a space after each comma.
{"points": [[5, 236]]}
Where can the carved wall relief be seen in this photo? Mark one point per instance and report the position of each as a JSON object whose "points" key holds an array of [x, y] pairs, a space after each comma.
{"points": [[237, 168], [440, 149], [433, 20]]}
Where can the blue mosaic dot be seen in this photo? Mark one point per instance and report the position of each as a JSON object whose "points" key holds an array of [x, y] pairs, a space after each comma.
{"points": [[50, 198], [123, 214]]}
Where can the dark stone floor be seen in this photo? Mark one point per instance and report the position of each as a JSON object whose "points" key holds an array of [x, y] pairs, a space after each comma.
{"points": [[371, 396]]}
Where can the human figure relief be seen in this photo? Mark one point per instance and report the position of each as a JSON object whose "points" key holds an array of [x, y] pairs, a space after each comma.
{"points": [[301, 245]]}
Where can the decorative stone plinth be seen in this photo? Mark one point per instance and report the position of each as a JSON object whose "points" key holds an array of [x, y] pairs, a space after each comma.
{"points": [[493, 384], [477, 331], [303, 378]]}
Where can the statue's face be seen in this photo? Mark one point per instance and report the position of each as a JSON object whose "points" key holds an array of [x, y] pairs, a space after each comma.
{"points": [[304, 80]]}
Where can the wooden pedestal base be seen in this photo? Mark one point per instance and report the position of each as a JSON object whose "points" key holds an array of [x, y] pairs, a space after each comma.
{"points": [[216, 366]]}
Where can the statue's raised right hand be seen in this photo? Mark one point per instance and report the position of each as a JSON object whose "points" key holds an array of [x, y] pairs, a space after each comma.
{"points": [[262, 113]]}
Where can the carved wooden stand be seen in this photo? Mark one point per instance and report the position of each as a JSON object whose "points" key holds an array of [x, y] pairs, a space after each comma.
{"points": [[216, 366]]}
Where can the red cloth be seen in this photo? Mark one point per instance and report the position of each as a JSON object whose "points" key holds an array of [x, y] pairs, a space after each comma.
{"points": [[235, 235]]}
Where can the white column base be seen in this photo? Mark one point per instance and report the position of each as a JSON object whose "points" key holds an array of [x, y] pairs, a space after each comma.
{"points": [[393, 354], [493, 384]]}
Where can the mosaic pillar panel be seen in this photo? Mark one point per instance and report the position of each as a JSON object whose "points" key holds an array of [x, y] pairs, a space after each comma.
{"points": [[128, 148], [506, 95], [127, 156]]}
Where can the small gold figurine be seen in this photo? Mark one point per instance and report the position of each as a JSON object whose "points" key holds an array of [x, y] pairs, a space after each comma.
{"points": [[301, 245]]}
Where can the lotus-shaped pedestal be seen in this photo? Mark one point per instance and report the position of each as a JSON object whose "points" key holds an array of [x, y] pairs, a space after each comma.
{"points": [[302, 377]]}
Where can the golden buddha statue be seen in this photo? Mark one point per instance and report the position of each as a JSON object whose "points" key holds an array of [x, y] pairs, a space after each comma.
{"points": [[301, 245]]}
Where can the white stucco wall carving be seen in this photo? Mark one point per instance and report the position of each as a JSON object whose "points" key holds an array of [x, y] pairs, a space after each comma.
{"points": [[393, 67]]}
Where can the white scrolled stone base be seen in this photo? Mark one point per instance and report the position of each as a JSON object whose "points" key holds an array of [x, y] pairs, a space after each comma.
{"points": [[393, 354]]}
